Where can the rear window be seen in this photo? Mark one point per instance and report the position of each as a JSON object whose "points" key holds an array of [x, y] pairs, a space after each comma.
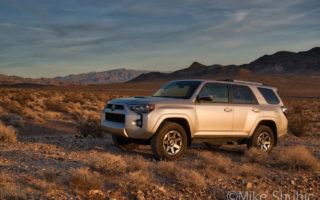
{"points": [[269, 95]]}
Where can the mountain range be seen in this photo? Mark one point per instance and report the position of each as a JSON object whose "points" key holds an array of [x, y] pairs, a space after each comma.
{"points": [[280, 63], [105, 77]]}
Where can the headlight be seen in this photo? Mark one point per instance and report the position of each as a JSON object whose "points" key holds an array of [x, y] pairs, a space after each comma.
{"points": [[105, 106], [142, 108]]}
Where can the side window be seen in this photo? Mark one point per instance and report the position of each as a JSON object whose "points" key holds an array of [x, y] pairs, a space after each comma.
{"points": [[269, 95], [243, 95], [214, 92]]}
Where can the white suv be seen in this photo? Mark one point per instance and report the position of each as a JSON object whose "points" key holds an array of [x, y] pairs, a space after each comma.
{"points": [[186, 111]]}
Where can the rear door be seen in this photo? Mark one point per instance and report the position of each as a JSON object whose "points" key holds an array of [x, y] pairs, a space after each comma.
{"points": [[246, 109], [214, 112]]}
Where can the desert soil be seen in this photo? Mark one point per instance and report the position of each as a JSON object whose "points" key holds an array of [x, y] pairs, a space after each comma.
{"points": [[39, 166]]}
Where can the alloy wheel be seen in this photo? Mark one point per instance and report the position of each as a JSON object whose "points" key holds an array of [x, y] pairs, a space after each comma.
{"points": [[172, 142]]}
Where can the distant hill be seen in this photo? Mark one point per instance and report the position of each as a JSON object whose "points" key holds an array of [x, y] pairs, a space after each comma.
{"points": [[305, 62], [279, 63], [282, 63], [111, 76]]}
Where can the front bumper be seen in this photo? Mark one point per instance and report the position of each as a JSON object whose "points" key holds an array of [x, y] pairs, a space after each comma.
{"points": [[128, 129], [114, 128]]}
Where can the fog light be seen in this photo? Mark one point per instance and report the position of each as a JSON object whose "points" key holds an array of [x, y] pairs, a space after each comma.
{"points": [[139, 122]]}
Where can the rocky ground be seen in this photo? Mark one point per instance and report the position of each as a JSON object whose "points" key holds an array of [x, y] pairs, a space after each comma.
{"points": [[66, 166]]}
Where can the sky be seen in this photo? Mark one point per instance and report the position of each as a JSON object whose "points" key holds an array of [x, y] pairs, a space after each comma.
{"points": [[48, 38]]}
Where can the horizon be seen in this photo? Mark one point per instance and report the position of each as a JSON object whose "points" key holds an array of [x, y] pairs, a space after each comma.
{"points": [[48, 39]]}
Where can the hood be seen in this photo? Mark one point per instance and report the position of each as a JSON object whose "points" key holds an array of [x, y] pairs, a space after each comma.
{"points": [[146, 100]]}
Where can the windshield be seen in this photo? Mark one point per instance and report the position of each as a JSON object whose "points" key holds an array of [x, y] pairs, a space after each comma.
{"points": [[178, 89]]}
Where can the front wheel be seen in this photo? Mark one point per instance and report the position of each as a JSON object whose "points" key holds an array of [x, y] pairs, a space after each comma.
{"points": [[123, 143], [170, 142], [263, 139]]}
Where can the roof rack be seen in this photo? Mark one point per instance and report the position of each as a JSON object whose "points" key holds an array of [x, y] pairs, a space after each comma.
{"points": [[239, 81]]}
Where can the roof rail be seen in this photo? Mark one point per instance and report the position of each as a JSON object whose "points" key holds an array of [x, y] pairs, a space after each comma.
{"points": [[239, 81]]}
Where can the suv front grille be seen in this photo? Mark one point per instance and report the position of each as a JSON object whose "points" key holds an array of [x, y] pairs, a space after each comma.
{"points": [[115, 107], [114, 117]]}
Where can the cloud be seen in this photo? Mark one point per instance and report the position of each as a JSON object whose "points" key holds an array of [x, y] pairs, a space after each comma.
{"points": [[98, 33]]}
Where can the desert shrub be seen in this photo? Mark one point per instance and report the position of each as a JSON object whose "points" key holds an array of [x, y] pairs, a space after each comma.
{"points": [[30, 114], [298, 157], [55, 104], [250, 170], [136, 163], [11, 106], [179, 175], [84, 179], [253, 155], [221, 163], [7, 134], [297, 109], [9, 189], [74, 98], [107, 163], [89, 126], [2, 110], [298, 125], [141, 178], [52, 115]]}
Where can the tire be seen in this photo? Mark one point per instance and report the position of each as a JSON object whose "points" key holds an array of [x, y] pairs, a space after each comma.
{"points": [[263, 139], [169, 142], [124, 143]]}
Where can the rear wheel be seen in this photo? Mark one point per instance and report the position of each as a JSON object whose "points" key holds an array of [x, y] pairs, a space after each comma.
{"points": [[263, 139], [170, 142], [124, 143]]}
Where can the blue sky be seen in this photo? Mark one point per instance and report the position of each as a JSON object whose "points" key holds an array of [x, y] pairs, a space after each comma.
{"points": [[47, 38]]}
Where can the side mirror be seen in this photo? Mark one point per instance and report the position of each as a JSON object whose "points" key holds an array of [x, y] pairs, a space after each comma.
{"points": [[205, 98]]}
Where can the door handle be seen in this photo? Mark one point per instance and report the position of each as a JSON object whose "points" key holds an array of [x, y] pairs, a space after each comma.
{"points": [[255, 110], [227, 109]]}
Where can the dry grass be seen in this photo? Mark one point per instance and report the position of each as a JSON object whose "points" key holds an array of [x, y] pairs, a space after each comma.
{"points": [[9, 189], [7, 134], [253, 170], [89, 126], [96, 169], [140, 178], [255, 156], [85, 179], [41, 106], [107, 163], [293, 158], [180, 175], [298, 157], [221, 163]]}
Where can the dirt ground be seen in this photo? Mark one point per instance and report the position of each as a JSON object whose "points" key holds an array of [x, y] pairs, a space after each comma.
{"points": [[41, 166]]}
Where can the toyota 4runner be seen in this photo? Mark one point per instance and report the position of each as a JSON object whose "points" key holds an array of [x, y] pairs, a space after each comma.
{"points": [[186, 111]]}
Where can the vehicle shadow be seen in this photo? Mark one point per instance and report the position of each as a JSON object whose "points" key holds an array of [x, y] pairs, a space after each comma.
{"points": [[68, 139]]}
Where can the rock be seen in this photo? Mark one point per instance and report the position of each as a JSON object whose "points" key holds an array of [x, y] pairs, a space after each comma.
{"points": [[96, 194], [249, 186], [140, 195]]}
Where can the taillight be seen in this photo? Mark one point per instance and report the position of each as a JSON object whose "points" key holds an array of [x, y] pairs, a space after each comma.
{"points": [[284, 110]]}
